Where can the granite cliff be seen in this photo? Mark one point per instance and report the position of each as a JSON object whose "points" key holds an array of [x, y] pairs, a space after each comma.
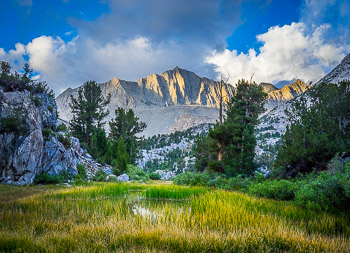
{"points": [[29, 141]]}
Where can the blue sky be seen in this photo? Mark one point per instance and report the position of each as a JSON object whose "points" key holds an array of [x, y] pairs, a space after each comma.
{"points": [[70, 41]]}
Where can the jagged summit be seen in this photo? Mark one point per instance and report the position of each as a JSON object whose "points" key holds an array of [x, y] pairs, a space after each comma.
{"points": [[339, 73], [288, 92], [173, 100]]}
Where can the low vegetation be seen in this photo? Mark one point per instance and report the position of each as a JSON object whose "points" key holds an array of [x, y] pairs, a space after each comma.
{"points": [[99, 218], [327, 191]]}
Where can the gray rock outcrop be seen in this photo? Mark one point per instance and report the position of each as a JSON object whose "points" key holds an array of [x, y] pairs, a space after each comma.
{"points": [[29, 144], [123, 178]]}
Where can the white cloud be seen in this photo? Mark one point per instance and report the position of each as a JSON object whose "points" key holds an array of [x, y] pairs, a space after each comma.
{"points": [[14, 56], [288, 52], [69, 64]]}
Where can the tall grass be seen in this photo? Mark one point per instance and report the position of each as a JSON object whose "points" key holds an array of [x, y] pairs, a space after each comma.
{"points": [[173, 192], [98, 218]]}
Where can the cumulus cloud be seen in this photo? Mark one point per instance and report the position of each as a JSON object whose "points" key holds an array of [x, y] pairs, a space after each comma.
{"points": [[69, 64], [14, 56], [288, 52], [134, 39]]}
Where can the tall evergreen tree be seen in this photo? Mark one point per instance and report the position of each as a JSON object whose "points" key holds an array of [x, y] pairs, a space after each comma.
{"points": [[126, 125], [88, 111], [236, 133]]}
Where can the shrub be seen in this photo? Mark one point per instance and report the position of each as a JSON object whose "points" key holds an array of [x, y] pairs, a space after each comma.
{"points": [[62, 128], [193, 179], [345, 180], [136, 174], [219, 182], [81, 172], [13, 123], [47, 133], [37, 101], [155, 176], [99, 176], [46, 178], [325, 192], [50, 108], [239, 183], [64, 140], [274, 189]]}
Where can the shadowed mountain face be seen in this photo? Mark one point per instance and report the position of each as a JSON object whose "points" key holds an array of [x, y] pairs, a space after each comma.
{"points": [[172, 101], [268, 87]]}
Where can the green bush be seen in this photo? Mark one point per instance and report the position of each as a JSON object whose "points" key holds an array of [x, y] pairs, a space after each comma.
{"points": [[155, 176], [100, 176], [325, 192], [62, 128], [13, 123], [47, 133], [81, 172], [64, 140], [50, 108], [274, 189], [193, 179], [345, 180], [239, 183], [219, 182], [136, 174], [46, 178], [37, 101]]}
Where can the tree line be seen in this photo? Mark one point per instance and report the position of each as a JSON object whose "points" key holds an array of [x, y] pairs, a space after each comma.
{"points": [[120, 147]]}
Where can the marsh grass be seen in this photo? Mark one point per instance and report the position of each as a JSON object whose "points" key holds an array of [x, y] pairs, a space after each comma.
{"points": [[98, 218]]}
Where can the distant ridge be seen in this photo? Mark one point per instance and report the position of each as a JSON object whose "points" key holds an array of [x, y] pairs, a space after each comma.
{"points": [[174, 100]]}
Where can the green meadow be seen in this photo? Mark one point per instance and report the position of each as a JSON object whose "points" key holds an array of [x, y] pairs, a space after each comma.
{"points": [[107, 217]]}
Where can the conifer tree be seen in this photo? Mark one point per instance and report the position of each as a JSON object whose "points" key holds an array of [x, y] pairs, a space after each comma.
{"points": [[121, 162], [88, 110], [236, 133], [319, 130], [126, 125]]}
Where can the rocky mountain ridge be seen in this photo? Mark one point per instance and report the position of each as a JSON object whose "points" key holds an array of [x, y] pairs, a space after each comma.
{"points": [[172, 101], [288, 92]]}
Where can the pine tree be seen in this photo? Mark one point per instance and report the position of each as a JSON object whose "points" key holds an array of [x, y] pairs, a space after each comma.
{"points": [[121, 162], [126, 125], [88, 111], [236, 134], [319, 130]]}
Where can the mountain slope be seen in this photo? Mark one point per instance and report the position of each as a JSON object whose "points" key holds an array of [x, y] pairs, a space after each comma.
{"points": [[339, 73], [287, 93], [174, 100], [273, 124]]}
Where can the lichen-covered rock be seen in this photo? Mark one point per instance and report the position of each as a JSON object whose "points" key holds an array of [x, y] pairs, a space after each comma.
{"points": [[29, 144]]}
